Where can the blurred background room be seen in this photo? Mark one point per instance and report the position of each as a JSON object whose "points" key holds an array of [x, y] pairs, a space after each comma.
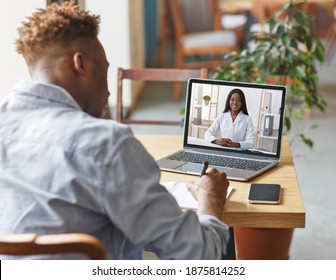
{"points": [[145, 34]]}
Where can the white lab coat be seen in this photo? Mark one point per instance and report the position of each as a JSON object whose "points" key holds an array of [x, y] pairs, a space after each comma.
{"points": [[242, 130]]}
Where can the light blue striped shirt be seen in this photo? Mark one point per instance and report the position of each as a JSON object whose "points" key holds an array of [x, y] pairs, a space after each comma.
{"points": [[62, 170]]}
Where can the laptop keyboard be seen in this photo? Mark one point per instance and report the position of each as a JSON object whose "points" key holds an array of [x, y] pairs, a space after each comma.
{"points": [[231, 162]]}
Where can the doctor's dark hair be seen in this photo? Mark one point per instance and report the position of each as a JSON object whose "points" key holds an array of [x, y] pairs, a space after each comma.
{"points": [[242, 99]]}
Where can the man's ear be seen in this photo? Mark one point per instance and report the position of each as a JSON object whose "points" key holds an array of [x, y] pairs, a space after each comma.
{"points": [[78, 61]]}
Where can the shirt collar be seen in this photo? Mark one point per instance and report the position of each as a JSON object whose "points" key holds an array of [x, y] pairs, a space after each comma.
{"points": [[240, 116], [46, 91]]}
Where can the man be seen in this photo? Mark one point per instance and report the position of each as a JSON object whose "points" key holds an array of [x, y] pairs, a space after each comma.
{"points": [[64, 169]]}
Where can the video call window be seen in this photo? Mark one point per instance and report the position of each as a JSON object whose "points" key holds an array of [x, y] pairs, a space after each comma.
{"points": [[259, 131]]}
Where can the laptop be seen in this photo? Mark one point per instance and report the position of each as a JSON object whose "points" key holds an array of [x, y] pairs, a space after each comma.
{"points": [[265, 106]]}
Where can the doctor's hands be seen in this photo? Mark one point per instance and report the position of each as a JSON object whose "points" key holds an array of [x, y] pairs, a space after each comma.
{"points": [[210, 192], [226, 142]]}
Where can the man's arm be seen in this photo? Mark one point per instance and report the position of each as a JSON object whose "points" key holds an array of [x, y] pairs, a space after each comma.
{"points": [[151, 217]]}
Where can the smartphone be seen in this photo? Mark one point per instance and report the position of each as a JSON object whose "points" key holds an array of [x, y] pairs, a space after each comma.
{"points": [[264, 193]]}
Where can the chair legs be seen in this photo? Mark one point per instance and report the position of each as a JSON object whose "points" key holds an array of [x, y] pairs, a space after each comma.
{"points": [[330, 42], [178, 64], [176, 92], [165, 35]]}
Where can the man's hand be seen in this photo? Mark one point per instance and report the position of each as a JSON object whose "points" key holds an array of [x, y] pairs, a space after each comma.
{"points": [[210, 192]]}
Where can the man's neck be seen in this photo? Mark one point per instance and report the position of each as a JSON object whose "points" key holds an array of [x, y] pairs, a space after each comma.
{"points": [[56, 73]]}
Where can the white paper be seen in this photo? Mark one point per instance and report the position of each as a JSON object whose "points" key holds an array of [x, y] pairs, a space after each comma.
{"points": [[183, 197]]}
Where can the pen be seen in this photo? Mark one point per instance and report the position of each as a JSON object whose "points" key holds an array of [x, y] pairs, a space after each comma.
{"points": [[205, 167]]}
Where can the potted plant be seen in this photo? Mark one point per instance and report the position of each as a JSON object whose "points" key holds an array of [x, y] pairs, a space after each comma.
{"points": [[287, 54], [206, 99]]}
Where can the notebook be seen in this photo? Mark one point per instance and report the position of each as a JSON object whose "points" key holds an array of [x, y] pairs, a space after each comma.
{"points": [[182, 195], [259, 133]]}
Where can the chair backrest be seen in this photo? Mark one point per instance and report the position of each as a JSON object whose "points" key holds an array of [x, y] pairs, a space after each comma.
{"points": [[195, 14], [28, 244], [210, 44], [217, 14], [157, 75], [190, 16]]}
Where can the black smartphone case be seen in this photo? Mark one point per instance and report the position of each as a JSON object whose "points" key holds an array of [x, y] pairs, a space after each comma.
{"points": [[264, 193]]}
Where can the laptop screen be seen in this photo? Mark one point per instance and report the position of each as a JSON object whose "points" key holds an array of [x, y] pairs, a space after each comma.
{"points": [[239, 117]]}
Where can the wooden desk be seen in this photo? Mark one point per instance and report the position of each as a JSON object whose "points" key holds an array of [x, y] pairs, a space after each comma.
{"points": [[237, 212], [290, 213]]}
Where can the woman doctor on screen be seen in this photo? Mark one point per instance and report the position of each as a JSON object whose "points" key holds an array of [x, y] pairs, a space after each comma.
{"points": [[234, 127]]}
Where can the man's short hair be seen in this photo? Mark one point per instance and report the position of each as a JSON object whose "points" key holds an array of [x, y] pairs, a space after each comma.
{"points": [[57, 25]]}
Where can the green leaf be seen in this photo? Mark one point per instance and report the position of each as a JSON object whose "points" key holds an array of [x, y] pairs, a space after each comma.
{"points": [[299, 33], [298, 115], [314, 126], [319, 52], [301, 18], [289, 57], [181, 111], [309, 43], [320, 106], [280, 31], [294, 43], [260, 80], [309, 142], [286, 39], [288, 123], [300, 71], [282, 55], [272, 23]]}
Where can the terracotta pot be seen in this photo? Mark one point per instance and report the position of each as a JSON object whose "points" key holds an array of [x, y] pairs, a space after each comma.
{"points": [[262, 243], [308, 113]]}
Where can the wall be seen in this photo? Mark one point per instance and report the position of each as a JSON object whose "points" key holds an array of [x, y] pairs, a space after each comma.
{"points": [[151, 31], [121, 33], [137, 46], [12, 66]]}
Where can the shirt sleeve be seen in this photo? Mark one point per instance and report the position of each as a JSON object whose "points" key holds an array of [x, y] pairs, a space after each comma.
{"points": [[149, 216], [212, 131]]}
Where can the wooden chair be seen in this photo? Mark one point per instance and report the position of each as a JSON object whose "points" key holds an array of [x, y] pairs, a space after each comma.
{"points": [[27, 244], [165, 33], [228, 16], [331, 37], [159, 75], [195, 44], [265, 10]]}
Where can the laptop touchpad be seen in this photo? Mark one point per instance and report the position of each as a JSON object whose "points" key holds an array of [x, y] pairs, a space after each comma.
{"points": [[190, 168]]}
